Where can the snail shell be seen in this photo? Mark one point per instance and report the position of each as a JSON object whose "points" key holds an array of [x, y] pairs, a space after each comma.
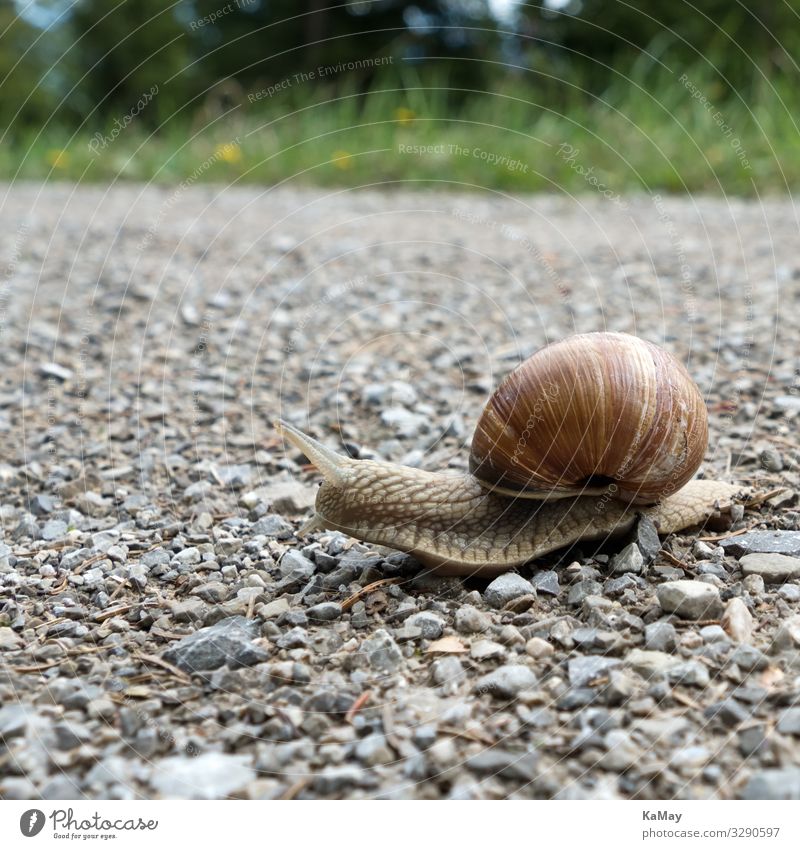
{"points": [[594, 413]]}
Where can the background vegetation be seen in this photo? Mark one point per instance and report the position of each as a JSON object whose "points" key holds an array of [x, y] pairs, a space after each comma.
{"points": [[583, 94]]}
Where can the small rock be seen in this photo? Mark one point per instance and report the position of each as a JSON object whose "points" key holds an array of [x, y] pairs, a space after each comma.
{"points": [[748, 658], [649, 663], [56, 371], [272, 526], [730, 712], [212, 775], [660, 636], [646, 539], [54, 529], [773, 568], [763, 542], [290, 497], [771, 460], [787, 637], [10, 640], [274, 609], [506, 682], [583, 670], [737, 621], [41, 505], [431, 625], [538, 648], [789, 722], [487, 650], [514, 766], [546, 582], [382, 651], [374, 750], [447, 671], [690, 599], [326, 611], [692, 673], [505, 588], [774, 784], [630, 559], [713, 634], [470, 620], [229, 641]]}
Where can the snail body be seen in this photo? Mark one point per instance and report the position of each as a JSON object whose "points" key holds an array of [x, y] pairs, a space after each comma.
{"points": [[569, 442]]}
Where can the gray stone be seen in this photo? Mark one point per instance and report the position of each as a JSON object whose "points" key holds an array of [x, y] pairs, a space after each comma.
{"points": [[690, 599], [692, 673], [157, 557], [374, 750], [332, 780], [628, 560], [515, 766], [774, 784], [41, 505], [713, 634], [487, 650], [763, 542], [546, 582], [748, 658], [584, 669], [187, 557], [431, 625], [791, 592], [54, 529], [505, 588], [789, 721], [787, 637], [728, 711], [650, 663], [506, 682], [382, 652], [447, 671], [773, 568], [272, 526], [646, 539], [470, 620], [326, 611], [213, 592], [579, 592], [212, 775], [660, 636], [229, 641]]}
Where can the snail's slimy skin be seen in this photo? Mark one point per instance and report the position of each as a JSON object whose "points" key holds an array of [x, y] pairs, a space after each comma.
{"points": [[453, 525]]}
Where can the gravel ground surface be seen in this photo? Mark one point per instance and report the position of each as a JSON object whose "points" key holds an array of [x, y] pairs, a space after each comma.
{"points": [[166, 632]]}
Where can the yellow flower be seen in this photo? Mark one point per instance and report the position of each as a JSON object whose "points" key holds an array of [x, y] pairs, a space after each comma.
{"points": [[342, 160], [404, 116], [229, 152], [57, 158]]}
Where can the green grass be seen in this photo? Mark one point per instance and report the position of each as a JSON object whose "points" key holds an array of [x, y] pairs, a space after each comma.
{"points": [[645, 132]]}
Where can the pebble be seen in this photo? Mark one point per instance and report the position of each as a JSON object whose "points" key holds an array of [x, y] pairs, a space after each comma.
{"points": [[690, 599], [326, 611], [748, 658], [660, 636], [470, 620], [773, 568], [514, 766], [650, 663], [774, 784], [54, 529], [505, 588], [630, 559], [431, 625], [538, 648], [546, 583], [212, 775], [506, 682], [763, 542], [737, 621], [789, 721], [487, 650], [228, 642], [382, 652], [583, 670], [787, 637]]}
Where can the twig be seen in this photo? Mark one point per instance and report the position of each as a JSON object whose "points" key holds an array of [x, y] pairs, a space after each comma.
{"points": [[157, 661], [364, 591], [357, 705]]}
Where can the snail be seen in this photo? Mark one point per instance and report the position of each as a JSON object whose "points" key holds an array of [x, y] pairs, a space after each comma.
{"points": [[575, 443]]}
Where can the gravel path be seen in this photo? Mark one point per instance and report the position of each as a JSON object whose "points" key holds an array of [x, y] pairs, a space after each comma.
{"points": [[164, 631]]}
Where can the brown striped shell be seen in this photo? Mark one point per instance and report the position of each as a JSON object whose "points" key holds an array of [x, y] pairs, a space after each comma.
{"points": [[596, 413]]}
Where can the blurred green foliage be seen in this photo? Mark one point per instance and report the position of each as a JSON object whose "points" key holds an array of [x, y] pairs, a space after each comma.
{"points": [[585, 71]]}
